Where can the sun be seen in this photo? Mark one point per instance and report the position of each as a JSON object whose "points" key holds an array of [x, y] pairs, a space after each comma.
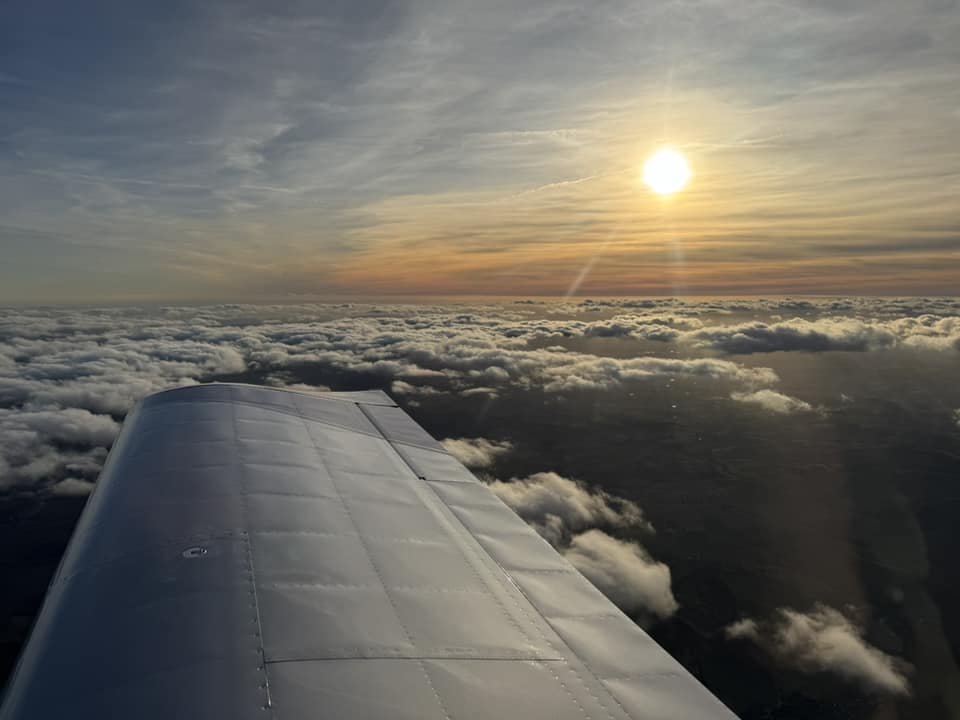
{"points": [[666, 172]]}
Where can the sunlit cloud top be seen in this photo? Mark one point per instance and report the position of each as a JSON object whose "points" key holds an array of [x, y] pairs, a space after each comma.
{"points": [[182, 151]]}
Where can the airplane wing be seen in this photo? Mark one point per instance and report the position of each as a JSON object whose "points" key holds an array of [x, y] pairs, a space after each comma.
{"points": [[265, 554]]}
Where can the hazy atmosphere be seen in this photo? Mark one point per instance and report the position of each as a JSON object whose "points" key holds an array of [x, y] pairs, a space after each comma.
{"points": [[237, 150]]}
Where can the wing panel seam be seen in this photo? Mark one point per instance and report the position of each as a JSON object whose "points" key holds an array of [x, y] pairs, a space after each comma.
{"points": [[441, 658], [373, 563], [251, 573], [453, 523], [540, 631]]}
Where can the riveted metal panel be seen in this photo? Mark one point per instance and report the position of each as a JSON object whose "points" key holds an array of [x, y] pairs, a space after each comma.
{"points": [[256, 553]]}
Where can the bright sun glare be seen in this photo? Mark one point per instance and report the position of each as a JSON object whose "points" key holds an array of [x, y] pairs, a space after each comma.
{"points": [[666, 172]]}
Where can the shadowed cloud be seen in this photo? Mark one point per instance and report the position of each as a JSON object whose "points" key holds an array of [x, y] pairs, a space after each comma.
{"points": [[824, 640]]}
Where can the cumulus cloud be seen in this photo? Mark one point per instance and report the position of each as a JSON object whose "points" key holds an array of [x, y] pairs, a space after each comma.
{"points": [[850, 334], [745, 629], [773, 401], [477, 452], [928, 332], [663, 328], [285, 380], [67, 376], [578, 372], [879, 306], [304, 388], [558, 507], [399, 387], [44, 445], [795, 334], [624, 572], [825, 640], [102, 360], [572, 517], [480, 392], [68, 425]]}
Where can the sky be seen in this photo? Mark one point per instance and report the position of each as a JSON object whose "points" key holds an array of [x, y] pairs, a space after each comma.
{"points": [[185, 151]]}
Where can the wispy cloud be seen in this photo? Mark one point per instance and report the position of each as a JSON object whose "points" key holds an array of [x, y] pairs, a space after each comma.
{"points": [[322, 149]]}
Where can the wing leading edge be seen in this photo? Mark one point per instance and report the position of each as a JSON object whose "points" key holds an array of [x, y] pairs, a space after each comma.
{"points": [[258, 553]]}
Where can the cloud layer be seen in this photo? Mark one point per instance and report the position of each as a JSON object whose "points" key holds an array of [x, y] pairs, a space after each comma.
{"points": [[831, 334], [68, 376], [41, 446], [825, 640], [56, 365]]}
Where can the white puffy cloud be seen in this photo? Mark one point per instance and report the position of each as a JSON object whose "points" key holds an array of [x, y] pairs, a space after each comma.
{"points": [[624, 572], [67, 425], [880, 306], [477, 452], [773, 401], [558, 507], [575, 371], [280, 380], [795, 334], [480, 392], [928, 332], [113, 395], [825, 640], [102, 360], [832, 333], [43, 445], [744, 629], [570, 516], [399, 387], [663, 328]]}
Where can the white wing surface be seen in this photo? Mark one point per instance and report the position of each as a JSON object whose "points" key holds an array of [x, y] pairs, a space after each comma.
{"points": [[258, 553]]}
